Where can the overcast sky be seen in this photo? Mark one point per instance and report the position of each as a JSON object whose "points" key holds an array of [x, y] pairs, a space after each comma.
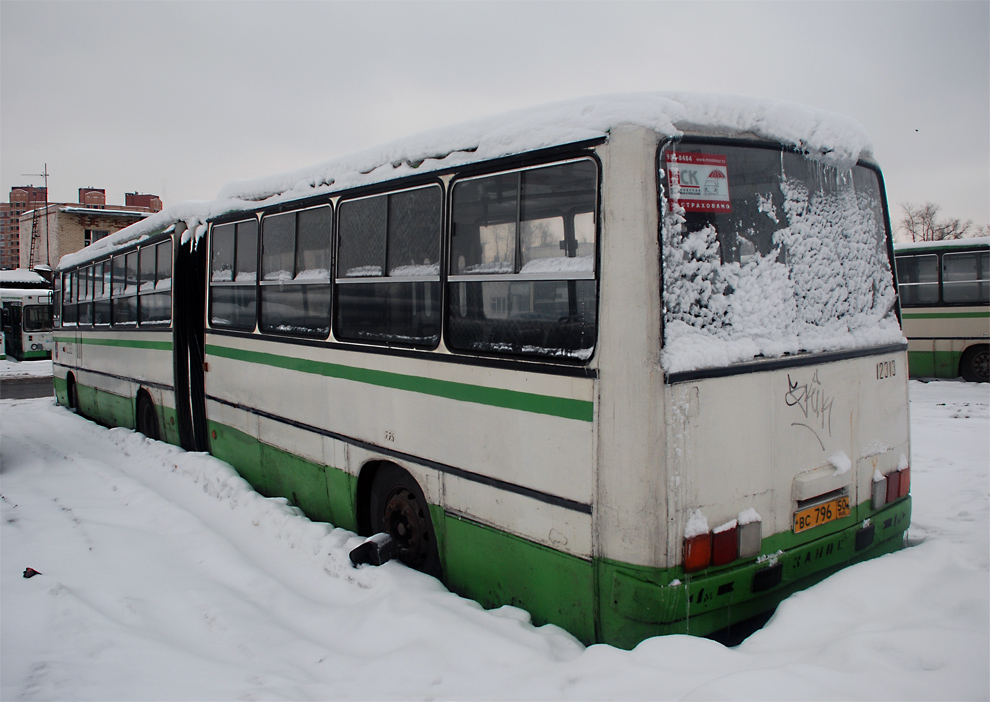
{"points": [[178, 98]]}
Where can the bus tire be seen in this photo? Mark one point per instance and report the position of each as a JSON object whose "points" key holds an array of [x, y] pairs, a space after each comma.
{"points": [[71, 395], [398, 508], [147, 418], [974, 365]]}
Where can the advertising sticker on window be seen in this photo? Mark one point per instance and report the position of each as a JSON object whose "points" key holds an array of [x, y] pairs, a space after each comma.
{"points": [[699, 182]]}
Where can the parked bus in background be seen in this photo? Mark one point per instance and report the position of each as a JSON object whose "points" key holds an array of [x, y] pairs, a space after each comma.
{"points": [[26, 309], [631, 363], [945, 300]]}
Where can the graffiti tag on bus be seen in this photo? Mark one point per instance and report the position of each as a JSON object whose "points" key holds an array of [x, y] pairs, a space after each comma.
{"points": [[813, 402]]}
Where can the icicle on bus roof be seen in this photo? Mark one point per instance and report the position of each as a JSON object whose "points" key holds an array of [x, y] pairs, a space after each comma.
{"points": [[833, 138]]}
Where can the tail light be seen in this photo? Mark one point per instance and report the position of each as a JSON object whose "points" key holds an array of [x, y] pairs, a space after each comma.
{"points": [[905, 481], [750, 537], [725, 543], [739, 538], [891, 487], [697, 552]]}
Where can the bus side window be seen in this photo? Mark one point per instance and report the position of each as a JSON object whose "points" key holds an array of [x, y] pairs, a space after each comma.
{"points": [[295, 273], [233, 275], [917, 278], [125, 289], [522, 272], [965, 278], [101, 294], [86, 295], [388, 268], [155, 298], [69, 308]]}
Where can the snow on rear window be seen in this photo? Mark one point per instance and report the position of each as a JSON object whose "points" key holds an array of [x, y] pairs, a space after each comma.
{"points": [[771, 254]]}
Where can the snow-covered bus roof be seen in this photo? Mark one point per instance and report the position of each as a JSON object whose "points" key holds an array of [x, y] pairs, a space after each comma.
{"points": [[21, 277], [823, 135], [943, 244]]}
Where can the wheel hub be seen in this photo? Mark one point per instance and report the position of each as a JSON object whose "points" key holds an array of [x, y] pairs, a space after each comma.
{"points": [[404, 521]]}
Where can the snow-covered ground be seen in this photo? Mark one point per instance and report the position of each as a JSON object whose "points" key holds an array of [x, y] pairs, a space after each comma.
{"points": [[164, 577], [13, 370]]}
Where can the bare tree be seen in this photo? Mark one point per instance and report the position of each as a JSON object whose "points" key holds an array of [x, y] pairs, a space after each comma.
{"points": [[921, 223]]}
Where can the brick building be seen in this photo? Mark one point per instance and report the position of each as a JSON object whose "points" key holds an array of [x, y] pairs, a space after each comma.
{"points": [[64, 229], [61, 228], [152, 202], [23, 198]]}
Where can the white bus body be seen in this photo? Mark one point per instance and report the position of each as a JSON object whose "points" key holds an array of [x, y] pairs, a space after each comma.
{"points": [[27, 323], [555, 380]]}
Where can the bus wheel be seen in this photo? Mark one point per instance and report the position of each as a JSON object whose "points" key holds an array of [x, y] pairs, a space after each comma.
{"points": [[147, 419], [70, 392], [399, 509], [975, 364]]}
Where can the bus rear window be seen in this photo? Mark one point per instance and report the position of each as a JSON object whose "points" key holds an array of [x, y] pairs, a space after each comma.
{"points": [[767, 253]]}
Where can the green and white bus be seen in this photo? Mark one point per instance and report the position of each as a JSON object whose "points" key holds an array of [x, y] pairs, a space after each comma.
{"points": [[26, 311], [631, 363], [945, 296]]}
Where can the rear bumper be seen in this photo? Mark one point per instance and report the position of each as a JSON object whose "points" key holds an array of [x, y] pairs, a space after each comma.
{"points": [[708, 602]]}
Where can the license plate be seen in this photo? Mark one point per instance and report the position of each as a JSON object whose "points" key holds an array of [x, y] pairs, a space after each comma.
{"points": [[824, 513]]}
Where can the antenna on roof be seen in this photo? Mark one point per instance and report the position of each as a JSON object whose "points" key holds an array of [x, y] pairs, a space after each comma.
{"points": [[35, 234]]}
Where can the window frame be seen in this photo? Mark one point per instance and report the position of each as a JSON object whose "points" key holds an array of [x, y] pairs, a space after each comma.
{"points": [[384, 278], [143, 294], [85, 295], [977, 255], [105, 296], [937, 282], [518, 275], [939, 255], [233, 283], [570, 356], [293, 282], [127, 299]]}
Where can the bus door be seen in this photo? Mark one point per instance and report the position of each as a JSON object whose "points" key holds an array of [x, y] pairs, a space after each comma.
{"points": [[188, 342], [12, 330]]}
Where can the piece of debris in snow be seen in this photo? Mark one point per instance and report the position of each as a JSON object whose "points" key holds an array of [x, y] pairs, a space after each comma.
{"points": [[375, 550]]}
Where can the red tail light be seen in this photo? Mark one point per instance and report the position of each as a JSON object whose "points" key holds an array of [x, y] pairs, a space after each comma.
{"points": [[697, 552], [905, 486], [893, 486], [725, 545]]}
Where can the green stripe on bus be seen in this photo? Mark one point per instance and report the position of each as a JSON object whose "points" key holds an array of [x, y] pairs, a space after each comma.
{"points": [[567, 408], [946, 315], [120, 343]]}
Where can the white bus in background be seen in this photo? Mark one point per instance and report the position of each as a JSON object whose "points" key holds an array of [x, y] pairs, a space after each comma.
{"points": [[945, 300], [26, 309], [631, 363]]}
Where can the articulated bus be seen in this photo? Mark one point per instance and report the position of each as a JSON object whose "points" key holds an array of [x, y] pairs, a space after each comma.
{"points": [[633, 364], [945, 296]]}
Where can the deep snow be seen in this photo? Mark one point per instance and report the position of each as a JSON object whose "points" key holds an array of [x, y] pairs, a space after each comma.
{"points": [[165, 577]]}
